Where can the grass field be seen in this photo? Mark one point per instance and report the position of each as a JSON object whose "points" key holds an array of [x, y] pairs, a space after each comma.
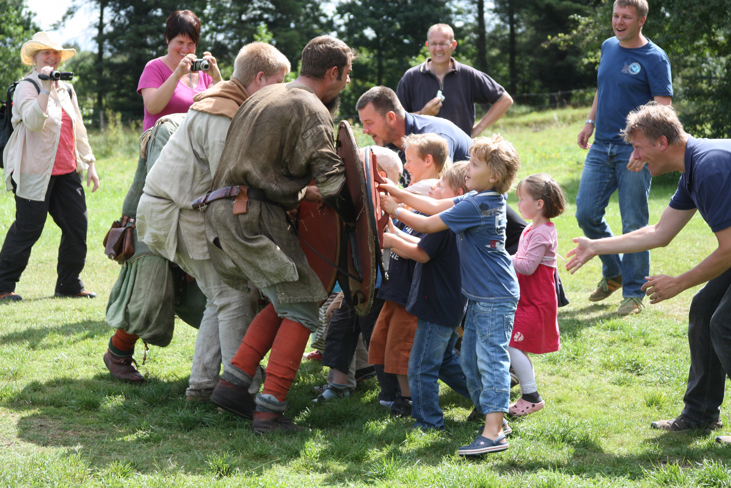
{"points": [[65, 422]]}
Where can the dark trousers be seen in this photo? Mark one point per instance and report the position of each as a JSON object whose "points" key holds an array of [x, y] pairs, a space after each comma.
{"points": [[709, 335], [66, 203], [342, 340]]}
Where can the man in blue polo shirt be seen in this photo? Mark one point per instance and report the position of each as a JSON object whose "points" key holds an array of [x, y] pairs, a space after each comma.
{"points": [[633, 71], [442, 87], [661, 143], [385, 120]]}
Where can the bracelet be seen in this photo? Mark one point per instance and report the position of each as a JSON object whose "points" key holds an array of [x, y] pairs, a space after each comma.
{"points": [[590, 121], [45, 91], [397, 211]]}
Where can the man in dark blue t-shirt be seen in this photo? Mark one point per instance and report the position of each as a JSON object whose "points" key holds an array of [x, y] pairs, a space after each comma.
{"points": [[661, 143], [633, 71]]}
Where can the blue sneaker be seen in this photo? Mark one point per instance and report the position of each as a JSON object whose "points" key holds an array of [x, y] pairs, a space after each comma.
{"points": [[483, 445]]}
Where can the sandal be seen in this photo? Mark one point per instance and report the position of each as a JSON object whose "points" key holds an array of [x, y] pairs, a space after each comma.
{"points": [[522, 407], [483, 445]]}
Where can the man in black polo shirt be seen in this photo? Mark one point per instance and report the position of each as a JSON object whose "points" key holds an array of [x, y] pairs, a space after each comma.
{"points": [[445, 88]]}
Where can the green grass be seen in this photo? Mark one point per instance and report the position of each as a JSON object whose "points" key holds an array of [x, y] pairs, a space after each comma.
{"points": [[65, 422]]}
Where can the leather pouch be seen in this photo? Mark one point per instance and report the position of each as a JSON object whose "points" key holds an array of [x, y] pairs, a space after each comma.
{"points": [[119, 241]]}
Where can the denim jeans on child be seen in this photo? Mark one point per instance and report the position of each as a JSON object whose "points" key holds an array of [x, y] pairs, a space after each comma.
{"points": [[605, 170], [432, 359], [709, 335], [485, 359]]}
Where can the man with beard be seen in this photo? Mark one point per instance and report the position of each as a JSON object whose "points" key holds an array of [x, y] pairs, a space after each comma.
{"points": [[279, 141]]}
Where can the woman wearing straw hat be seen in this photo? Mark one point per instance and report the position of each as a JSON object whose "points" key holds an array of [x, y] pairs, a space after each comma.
{"points": [[44, 161], [167, 84]]}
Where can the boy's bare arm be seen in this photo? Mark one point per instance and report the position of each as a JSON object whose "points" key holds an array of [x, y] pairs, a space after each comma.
{"points": [[421, 223], [404, 248], [401, 234], [423, 204]]}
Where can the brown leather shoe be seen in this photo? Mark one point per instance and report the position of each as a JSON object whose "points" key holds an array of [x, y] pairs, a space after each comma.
{"points": [[10, 296], [235, 399], [122, 368], [265, 422], [81, 294]]}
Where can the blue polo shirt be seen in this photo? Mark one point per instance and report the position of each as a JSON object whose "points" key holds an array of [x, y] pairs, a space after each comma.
{"points": [[459, 143], [706, 182]]}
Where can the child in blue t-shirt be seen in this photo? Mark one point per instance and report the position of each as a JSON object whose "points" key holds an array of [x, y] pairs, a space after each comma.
{"points": [[438, 305], [488, 277]]}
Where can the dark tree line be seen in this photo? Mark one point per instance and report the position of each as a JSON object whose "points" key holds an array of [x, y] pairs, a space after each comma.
{"points": [[532, 47]]}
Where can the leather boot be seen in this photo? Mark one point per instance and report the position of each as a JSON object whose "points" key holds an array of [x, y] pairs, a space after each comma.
{"points": [[232, 398], [265, 422], [122, 368]]}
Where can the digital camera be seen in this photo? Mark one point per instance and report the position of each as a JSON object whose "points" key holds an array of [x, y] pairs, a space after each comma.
{"points": [[200, 65]]}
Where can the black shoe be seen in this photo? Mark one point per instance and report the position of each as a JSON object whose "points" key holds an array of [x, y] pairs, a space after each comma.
{"points": [[365, 373], [401, 407], [233, 398], [9, 296]]}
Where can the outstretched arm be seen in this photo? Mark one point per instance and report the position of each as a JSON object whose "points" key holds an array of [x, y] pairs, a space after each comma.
{"points": [[650, 237], [420, 203], [404, 248], [663, 287]]}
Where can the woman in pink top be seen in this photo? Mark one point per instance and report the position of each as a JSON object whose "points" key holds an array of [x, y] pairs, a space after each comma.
{"points": [[45, 159], [535, 329], [167, 84]]}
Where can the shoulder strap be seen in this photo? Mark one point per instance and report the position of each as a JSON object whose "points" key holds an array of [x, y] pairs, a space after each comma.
{"points": [[38, 88]]}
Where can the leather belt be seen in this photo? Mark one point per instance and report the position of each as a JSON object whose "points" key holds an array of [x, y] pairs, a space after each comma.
{"points": [[231, 192]]}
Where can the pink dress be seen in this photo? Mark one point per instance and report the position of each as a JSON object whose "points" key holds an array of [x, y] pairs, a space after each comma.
{"points": [[536, 319], [154, 75]]}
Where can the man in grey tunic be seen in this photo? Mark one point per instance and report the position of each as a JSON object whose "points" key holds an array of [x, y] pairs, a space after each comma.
{"points": [[279, 141], [168, 224]]}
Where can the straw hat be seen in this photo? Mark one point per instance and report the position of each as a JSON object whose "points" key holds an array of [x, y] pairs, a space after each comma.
{"points": [[41, 41]]}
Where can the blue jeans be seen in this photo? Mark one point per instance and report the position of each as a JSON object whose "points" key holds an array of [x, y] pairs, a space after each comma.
{"points": [[605, 170], [485, 359], [432, 359], [709, 336]]}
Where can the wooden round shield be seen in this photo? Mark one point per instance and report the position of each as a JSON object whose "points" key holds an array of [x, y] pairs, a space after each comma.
{"points": [[319, 230], [360, 240]]}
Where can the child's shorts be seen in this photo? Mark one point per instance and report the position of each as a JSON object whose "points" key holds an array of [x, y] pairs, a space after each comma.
{"points": [[392, 339]]}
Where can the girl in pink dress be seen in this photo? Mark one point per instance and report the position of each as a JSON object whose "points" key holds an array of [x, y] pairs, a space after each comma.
{"points": [[535, 331]]}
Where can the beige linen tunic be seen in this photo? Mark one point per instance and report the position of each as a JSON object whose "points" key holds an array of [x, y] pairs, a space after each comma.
{"points": [[279, 141], [31, 151], [182, 173]]}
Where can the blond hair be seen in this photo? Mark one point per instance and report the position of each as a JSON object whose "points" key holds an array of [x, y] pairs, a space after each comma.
{"points": [[541, 186], [430, 144], [259, 57], [501, 158], [641, 6], [654, 120], [454, 176]]}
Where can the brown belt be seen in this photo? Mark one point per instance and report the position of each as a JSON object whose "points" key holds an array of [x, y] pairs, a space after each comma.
{"points": [[239, 193]]}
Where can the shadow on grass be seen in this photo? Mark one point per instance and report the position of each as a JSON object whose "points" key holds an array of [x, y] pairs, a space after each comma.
{"points": [[79, 331], [574, 320]]}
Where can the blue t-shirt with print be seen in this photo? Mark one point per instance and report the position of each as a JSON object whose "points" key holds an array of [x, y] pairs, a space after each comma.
{"points": [[479, 221], [627, 79], [706, 181], [435, 293]]}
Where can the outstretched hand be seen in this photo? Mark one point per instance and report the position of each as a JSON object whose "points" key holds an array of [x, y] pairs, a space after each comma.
{"points": [[389, 187], [388, 204], [582, 253]]}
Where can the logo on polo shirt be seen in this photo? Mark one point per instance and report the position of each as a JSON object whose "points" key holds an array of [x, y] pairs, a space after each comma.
{"points": [[632, 68]]}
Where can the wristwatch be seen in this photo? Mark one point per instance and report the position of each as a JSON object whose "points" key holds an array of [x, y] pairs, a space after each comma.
{"points": [[590, 121]]}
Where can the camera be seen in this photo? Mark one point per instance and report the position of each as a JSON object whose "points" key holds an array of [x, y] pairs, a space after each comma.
{"points": [[200, 65], [58, 75]]}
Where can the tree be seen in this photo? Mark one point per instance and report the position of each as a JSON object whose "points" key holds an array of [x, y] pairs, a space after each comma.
{"points": [[16, 27], [388, 36]]}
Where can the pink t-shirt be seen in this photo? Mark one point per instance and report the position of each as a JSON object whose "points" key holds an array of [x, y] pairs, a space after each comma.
{"points": [[65, 162], [154, 75]]}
